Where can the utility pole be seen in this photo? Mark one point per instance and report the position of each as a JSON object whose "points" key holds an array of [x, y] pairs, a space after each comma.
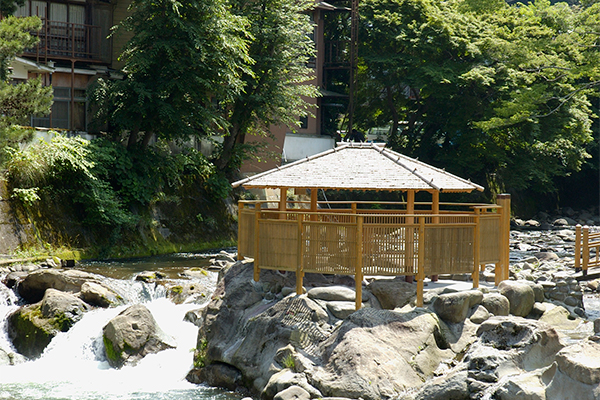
{"points": [[353, 62]]}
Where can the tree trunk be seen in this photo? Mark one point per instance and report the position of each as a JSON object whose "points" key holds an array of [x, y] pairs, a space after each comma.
{"points": [[146, 139]]}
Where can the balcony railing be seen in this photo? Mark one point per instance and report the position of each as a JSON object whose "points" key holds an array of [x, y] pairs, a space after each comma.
{"points": [[65, 40], [337, 53]]}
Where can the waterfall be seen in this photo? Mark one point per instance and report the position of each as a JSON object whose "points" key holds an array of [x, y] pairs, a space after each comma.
{"points": [[73, 366]]}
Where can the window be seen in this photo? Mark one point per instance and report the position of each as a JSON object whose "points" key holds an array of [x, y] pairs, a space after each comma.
{"points": [[60, 116]]}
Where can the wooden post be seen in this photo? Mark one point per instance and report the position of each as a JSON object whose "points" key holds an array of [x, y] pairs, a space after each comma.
{"points": [[314, 203], [577, 248], [435, 209], [504, 202], [257, 212], [421, 262], [476, 251], [283, 202], [240, 256], [586, 249], [299, 266], [358, 274], [410, 233]]}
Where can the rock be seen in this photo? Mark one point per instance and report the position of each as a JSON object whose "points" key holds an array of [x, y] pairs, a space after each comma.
{"points": [[341, 309], [546, 256], [334, 293], [538, 291], [581, 362], [450, 387], [293, 393], [29, 331], [496, 304], [597, 325], [520, 296], [132, 335], [538, 310], [559, 318], [194, 317], [218, 375], [64, 308], [286, 379], [376, 353], [33, 286], [195, 273], [13, 278], [479, 315], [96, 294], [392, 293], [193, 292], [525, 386], [537, 342], [149, 276], [10, 358], [454, 307]]}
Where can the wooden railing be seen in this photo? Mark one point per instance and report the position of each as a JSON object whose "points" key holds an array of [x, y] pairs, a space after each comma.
{"points": [[585, 241], [360, 242], [65, 40]]}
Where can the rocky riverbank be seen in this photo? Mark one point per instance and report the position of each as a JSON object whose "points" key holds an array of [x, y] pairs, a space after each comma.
{"points": [[529, 338]]}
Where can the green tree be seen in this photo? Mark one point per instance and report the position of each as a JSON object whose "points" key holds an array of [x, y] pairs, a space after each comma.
{"points": [[492, 91], [182, 65], [277, 87], [20, 101]]}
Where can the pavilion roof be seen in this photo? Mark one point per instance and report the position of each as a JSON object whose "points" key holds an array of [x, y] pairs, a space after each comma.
{"points": [[360, 166]]}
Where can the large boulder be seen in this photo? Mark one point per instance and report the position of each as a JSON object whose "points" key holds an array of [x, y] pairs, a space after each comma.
{"points": [[32, 327], [392, 293], [520, 295], [375, 354], [132, 335], [455, 307], [97, 294], [496, 304], [34, 285]]}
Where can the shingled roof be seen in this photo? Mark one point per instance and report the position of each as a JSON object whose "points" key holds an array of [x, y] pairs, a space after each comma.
{"points": [[360, 166]]}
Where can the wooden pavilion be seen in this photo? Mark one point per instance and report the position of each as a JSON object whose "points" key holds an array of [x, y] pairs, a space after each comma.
{"points": [[357, 238]]}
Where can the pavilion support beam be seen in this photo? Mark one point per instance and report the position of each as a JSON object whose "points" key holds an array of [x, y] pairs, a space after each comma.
{"points": [[282, 202], [502, 273], [435, 210], [314, 203], [410, 235]]}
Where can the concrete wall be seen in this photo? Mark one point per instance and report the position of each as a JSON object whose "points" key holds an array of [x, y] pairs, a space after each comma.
{"points": [[297, 146]]}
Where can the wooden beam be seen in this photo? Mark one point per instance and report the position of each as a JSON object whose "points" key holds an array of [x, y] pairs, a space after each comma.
{"points": [[314, 203], [282, 202], [503, 201]]}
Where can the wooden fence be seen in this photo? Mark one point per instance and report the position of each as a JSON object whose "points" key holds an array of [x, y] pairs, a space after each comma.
{"points": [[585, 241], [374, 242]]}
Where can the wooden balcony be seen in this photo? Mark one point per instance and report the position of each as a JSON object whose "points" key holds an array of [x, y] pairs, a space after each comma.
{"points": [[67, 41], [356, 240]]}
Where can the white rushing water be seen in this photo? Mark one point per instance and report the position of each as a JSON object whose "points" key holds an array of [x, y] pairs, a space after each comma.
{"points": [[73, 366]]}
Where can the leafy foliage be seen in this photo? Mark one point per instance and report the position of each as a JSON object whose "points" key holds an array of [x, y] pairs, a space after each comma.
{"points": [[276, 88], [183, 62], [18, 102], [492, 91], [102, 181]]}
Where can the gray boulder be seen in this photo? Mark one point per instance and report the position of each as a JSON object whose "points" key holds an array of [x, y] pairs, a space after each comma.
{"points": [[334, 293], [65, 308], [32, 327], [520, 296], [293, 393], [392, 293], [455, 307], [448, 387], [132, 335], [97, 294], [34, 285], [496, 304]]}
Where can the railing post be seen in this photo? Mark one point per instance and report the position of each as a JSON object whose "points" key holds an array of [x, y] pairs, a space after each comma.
{"points": [[504, 202], [300, 266], [586, 249], [577, 248], [358, 275], [257, 212], [420, 261], [240, 256], [476, 251]]}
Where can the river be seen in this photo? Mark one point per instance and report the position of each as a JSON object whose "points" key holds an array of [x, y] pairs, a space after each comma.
{"points": [[73, 365]]}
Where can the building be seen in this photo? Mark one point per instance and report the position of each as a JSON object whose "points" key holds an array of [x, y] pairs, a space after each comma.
{"points": [[75, 47]]}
